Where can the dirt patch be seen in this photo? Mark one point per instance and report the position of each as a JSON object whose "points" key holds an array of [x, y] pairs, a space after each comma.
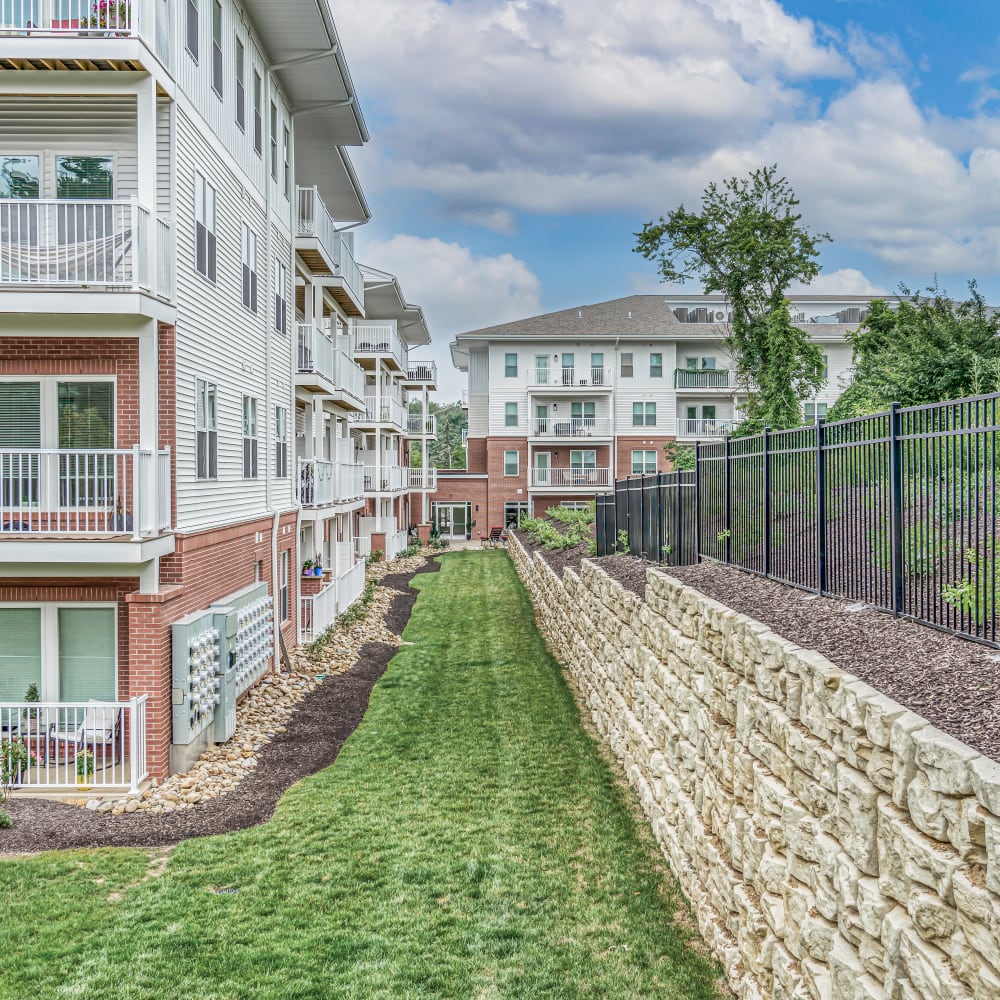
{"points": [[314, 735]]}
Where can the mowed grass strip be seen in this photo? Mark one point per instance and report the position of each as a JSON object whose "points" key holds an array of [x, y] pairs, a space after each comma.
{"points": [[469, 842]]}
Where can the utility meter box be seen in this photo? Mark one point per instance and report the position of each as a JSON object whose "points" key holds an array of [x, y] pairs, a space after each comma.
{"points": [[196, 685], [226, 622]]}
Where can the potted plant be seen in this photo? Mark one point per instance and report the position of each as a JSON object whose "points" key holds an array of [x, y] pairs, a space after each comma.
{"points": [[307, 567], [31, 696], [84, 769], [115, 15], [119, 519], [318, 564]]}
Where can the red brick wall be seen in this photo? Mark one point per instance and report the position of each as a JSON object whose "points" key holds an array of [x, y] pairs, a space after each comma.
{"points": [[83, 356], [475, 455], [626, 445], [463, 488]]}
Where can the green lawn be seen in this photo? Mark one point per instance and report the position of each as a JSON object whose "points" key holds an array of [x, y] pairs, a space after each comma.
{"points": [[469, 842]]}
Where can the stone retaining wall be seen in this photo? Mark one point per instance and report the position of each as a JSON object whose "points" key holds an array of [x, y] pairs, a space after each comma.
{"points": [[833, 844]]}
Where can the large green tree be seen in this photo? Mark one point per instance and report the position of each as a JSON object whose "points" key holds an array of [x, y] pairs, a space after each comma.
{"points": [[748, 243], [928, 349]]}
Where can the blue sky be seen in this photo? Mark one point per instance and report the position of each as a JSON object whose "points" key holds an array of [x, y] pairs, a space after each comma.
{"points": [[517, 145]]}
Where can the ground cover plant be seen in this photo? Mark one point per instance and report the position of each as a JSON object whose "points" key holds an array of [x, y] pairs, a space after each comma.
{"points": [[470, 841]]}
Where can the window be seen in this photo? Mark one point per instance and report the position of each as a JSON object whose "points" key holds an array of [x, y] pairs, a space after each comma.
{"points": [[814, 411], [280, 442], [217, 47], [691, 364], [280, 296], [583, 415], [249, 268], [57, 414], [568, 365], [510, 366], [626, 363], [708, 411], [274, 141], [510, 415], [18, 180], [206, 430], [582, 465], [241, 89], [249, 437], [283, 603], [204, 214], [258, 114], [708, 364], [286, 153], [597, 368], [656, 366], [541, 369], [826, 366], [644, 414], [510, 463], [643, 463], [85, 177], [191, 34]]}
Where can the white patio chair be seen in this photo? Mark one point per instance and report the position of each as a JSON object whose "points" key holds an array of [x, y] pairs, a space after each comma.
{"points": [[99, 727]]}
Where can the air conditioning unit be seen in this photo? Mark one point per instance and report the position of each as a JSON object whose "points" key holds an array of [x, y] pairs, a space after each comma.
{"points": [[719, 316]]}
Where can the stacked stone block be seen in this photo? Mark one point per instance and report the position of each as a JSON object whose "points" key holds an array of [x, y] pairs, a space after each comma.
{"points": [[833, 844]]}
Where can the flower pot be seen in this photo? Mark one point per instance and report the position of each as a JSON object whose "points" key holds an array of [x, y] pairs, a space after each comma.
{"points": [[317, 571], [81, 784]]}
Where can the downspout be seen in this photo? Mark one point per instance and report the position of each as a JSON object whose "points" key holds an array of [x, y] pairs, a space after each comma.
{"points": [[614, 418]]}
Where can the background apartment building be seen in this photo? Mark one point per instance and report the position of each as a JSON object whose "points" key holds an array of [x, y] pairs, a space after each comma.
{"points": [[562, 405], [184, 356]]}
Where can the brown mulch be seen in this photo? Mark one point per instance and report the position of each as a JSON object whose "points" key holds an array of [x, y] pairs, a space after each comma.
{"points": [[314, 735]]}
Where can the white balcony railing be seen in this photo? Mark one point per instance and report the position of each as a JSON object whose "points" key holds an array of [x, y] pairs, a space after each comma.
{"points": [[317, 612], [385, 478], [569, 479], [324, 483], [419, 426], [316, 222], [383, 410], [423, 479], [107, 245], [363, 546], [329, 357], [374, 339], [395, 539], [705, 378], [422, 371], [552, 427], [581, 376], [113, 733], [705, 428], [148, 19], [93, 492]]}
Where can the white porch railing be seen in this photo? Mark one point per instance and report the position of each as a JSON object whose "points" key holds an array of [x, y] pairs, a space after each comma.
{"points": [[395, 543], [421, 426], [569, 479], [705, 378], [363, 546], [422, 371], [423, 479], [379, 338], [553, 427], [93, 492], [315, 221], [705, 428], [385, 478], [580, 376], [102, 244], [52, 734], [322, 483], [317, 612], [384, 410]]}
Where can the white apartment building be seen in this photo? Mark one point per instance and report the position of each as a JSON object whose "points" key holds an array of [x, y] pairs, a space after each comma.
{"points": [[561, 405], [180, 316]]}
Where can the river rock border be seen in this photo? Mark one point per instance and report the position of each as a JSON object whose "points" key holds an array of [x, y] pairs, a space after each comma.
{"points": [[833, 844]]}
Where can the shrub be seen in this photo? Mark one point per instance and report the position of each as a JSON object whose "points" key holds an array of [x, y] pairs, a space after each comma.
{"points": [[5, 820]]}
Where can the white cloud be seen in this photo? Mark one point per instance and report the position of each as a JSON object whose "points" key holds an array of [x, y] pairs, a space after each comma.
{"points": [[845, 281], [457, 290]]}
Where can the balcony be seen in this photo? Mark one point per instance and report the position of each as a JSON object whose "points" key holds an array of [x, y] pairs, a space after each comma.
{"points": [[421, 375], [574, 427], [86, 36], [418, 426], [379, 340], [97, 246], [322, 484], [706, 378], [379, 411], [571, 480], [423, 479], [386, 479], [84, 493], [696, 429], [324, 365], [599, 379], [328, 252], [317, 612], [114, 732]]}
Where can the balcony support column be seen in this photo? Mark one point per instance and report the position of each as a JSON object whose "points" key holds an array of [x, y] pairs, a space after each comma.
{"points": [[145, 135]]}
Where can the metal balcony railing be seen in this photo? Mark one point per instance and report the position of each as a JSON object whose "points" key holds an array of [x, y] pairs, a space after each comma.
{"points": [[580, 376], [421, 371], [421, 426], [423, 479], [553, 427], [705, 428], [569, 479], [373, 339], [315, 221], [706, 378], [385, 478], [320, 354], [92, 492], [323, 483]]}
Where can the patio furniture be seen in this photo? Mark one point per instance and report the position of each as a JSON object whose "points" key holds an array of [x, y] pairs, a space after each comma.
{"points": [[497, 536], [98, 727]]}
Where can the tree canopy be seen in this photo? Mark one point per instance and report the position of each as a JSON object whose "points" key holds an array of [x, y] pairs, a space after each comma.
{"points": [[928, 349], [748, 243]]}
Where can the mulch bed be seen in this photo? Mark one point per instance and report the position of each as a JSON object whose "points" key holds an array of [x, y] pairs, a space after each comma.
{"points": [[314, 735], [951, 682]]}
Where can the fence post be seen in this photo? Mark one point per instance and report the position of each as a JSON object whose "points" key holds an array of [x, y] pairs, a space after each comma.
{"points": [[729, 505], [767, 501], [697, 502], [896, 509], [820, 507]]}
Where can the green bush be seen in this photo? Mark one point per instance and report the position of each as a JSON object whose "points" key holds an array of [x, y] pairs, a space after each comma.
{"points": [[5, 820], [562, 528]]}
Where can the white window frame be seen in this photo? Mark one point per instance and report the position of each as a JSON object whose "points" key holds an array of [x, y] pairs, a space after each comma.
{"points": [[281, 442], [206, 429], [218, 69], [258, 112], [510, 415], [205, 219], [240, 55], [250, 437], [48, 402], [48, 689], [517, 463], [652, 373], [643, 462], [192, 42], [280, 296], [814, 407], [286, 157], [284, 596], [648, 410], [250, 269], [630, 364], [274, 140], [508, 364]]}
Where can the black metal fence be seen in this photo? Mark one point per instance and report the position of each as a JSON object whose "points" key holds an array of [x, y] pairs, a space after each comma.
{"points": [[897, 510]]}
